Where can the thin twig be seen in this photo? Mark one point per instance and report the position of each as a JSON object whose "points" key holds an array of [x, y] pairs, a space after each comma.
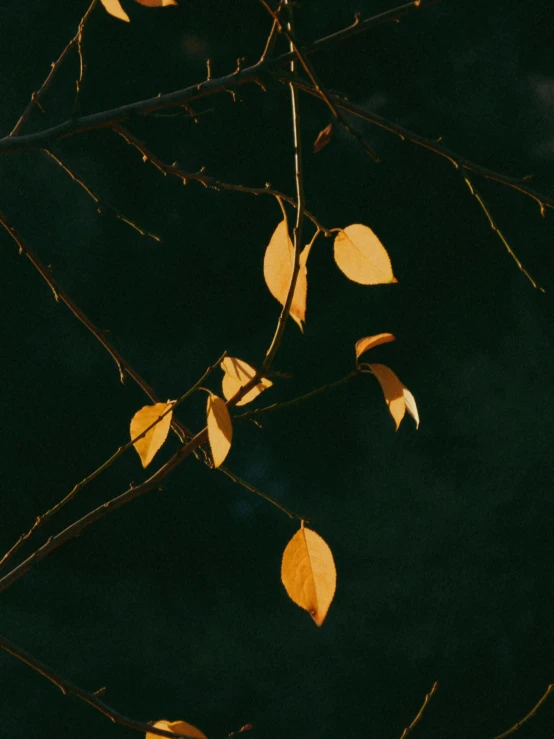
{"points": [[428, 697], [499, 233], [102, 207], [516, 183], [93, 475], [530, 715], [297, 232], [257, 491], [107, 118], [208, 181], [257, 412], [69, 688], [37, 96], [310, 71]]}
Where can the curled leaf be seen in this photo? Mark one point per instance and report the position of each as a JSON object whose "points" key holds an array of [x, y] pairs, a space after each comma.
{"points": [[323, 138], [278, 267], [308, 573], [398, 398], [362, 257], [363, 345], [150, 443], [220, 428], [156, 3], [237, 374], [114, 8], [177, 727]]}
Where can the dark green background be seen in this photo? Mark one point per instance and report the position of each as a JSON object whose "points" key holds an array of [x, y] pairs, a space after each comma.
{"points": [[442, 537]]}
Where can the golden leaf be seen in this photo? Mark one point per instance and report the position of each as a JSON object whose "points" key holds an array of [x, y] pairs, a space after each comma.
{"points": [[220, 428], [369, 342], [157, 3], [237, 374], [323, 138], [362, 257], [308, 573], [411, 406], [149, 444], [278, 267], [177, 727], [114, 8], [398, 398]]}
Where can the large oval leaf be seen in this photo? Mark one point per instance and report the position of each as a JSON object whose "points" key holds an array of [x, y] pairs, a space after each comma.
{"points": [[362, 257], [114, 8], [177, 727], [278, 266], [308, 573], [363, 345], [236, 375], [151, 442], [220, 428]]}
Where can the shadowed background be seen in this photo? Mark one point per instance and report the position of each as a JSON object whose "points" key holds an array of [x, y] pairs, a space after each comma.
{"points": [[442, 536]]}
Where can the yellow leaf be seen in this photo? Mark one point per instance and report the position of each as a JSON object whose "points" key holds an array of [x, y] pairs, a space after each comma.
{"points": [[323, 138], [149, 444], [156, 3], [308, 573], [237, 374], [114, 8], [369, 342], [362, 257], [278, 266], [220, 428], [393, 390], [411, 406], [177, 727]]}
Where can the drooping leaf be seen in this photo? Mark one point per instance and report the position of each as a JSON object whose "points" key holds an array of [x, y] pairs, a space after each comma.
{"points": [[237, 374], [308, 573], [278, 267], [363, 345], [177, 727], [362, 257], [114, 8], [411, 406], [220, 428], [151, 442], [323, 138], [157, 3]]}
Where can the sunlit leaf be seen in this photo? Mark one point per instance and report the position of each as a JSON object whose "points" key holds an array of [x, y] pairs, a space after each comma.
{"points": [[114, 8], [149, 444], [393, 390], [220, 428], [177, 727], [362, 257], [308, 573], [411, 406], [237, 374], [278, 267], [323, 138], [370, 341], [157, 3]]}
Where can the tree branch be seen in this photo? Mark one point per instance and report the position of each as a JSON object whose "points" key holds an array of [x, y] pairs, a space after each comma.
{"points": [[530, 715], [92, 699], [416, 720]]}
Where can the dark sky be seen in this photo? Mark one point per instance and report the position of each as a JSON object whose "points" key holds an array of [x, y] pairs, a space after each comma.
{"points": [[442, 536]]}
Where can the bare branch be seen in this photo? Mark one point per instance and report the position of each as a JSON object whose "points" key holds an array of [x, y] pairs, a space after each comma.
{"points": [[416, 720], [68, 688], [517, 726]]}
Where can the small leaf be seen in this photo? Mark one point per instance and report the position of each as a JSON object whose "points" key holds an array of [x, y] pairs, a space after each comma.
{"points": [[278, 267], [220, 428], [308, 573], [237, 374], [177, 727], [157, 3], [362, 257], [411, 406], [151, 442], [323, 138], [393, 390], [363, 345], [114, 8]]}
